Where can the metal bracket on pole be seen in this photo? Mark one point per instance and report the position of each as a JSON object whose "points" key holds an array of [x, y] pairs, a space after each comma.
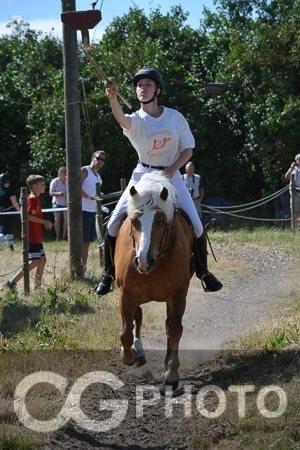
{"points": [[83, 21]]}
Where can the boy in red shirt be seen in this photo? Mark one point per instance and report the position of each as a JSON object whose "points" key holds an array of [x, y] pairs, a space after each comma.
{"points": [[37, 258]]}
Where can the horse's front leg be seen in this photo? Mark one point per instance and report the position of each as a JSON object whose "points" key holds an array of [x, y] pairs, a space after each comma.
{"points": [[175, 311], [137, 343], [127, 308]]}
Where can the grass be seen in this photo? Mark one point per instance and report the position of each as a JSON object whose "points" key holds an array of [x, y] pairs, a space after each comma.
{"points": [[283, 330], [70, 324], [269, 356], [270, 237]]}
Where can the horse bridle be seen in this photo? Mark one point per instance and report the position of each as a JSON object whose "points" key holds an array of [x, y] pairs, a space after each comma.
{"points": [[159, 253]]}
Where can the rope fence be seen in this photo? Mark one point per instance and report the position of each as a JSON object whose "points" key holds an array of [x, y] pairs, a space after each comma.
{"points": [[219, 209], [256, 202], [233, 210]]}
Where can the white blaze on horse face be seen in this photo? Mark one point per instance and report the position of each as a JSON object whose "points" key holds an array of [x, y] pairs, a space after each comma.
{"points": [[145, 238]]}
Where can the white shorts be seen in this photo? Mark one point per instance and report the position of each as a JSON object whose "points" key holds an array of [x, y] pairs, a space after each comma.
{"points": [[184, 201]]}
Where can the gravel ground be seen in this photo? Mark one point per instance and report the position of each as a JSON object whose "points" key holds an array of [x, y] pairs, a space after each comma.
{"points": [[211, 321]]}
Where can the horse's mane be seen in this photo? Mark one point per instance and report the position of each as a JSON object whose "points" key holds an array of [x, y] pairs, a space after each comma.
{"points": [[148, 195]]}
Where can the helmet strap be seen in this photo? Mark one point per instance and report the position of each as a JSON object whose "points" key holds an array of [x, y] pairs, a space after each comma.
{"points": [[149, 101], [152, 99]]}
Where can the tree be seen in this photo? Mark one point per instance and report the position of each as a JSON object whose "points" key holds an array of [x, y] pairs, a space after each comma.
{"points": [[244, 139]]}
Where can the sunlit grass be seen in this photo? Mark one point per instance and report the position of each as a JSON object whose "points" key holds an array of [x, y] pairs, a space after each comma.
{"points": [[273, 237]]}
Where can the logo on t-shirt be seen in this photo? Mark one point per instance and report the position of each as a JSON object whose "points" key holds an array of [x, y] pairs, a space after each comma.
{"points": [[158, 146]]}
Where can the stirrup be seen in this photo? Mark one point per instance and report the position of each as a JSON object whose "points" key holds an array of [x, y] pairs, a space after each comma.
{"points": [[104, 285], [210, 283]]}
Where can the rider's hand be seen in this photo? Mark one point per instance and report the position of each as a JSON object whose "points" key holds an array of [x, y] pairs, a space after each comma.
{"points": [[168, 172], [111, 88]]}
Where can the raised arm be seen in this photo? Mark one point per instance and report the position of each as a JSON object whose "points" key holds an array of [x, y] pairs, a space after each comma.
{"points": [[111, 92]]}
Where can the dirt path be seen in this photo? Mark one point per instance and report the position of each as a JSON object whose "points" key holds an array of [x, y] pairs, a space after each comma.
{"points": [[253, 278], [212, 320]]}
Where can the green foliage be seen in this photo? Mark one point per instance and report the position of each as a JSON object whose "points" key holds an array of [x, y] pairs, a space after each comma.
{"points": [[49, 337], [9, 440], [289, 337], [245, 139], [32, 100]]}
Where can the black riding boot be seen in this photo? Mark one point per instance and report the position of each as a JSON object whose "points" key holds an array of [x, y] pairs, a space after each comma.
{"points": [[209, 282], [107, 278]]}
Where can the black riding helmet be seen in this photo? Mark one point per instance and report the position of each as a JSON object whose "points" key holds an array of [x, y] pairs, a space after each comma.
{"points": [[4, 178], [149, 72]]}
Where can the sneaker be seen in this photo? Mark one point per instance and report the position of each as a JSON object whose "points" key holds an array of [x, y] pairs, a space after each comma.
{"points": [[10, 286], [210, 283], [104, 285]]}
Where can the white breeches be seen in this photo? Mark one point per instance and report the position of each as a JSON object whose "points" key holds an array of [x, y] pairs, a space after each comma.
{"points": [[184, 201]]}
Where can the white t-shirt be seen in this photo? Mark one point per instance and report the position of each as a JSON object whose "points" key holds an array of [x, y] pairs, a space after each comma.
{"points": [[89, 187], [159, 140], [57, 185], [296, 173]]}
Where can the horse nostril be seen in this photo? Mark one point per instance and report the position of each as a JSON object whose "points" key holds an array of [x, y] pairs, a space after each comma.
{"points": [[136, 261]]}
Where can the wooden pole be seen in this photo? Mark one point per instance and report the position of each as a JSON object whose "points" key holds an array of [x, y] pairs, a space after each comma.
{"points": [[25, 238], [293, 194], [73, 144], [123, 184], [100, 224]]}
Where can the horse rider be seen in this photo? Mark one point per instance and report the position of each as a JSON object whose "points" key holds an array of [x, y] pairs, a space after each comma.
{"points": [[163, 141]]}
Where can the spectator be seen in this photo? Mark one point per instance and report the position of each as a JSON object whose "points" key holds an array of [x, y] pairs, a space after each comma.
{"points": [[163, 141], [295, 171], [58, 191], [195, 185], [37, 258], [8, 203], [89, 178]]}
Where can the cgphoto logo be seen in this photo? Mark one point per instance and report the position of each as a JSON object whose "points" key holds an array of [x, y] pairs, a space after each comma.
{"points": [[146, 396]]}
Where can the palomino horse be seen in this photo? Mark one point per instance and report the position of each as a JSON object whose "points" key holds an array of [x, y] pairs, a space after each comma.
{"points": [[153, 262]]}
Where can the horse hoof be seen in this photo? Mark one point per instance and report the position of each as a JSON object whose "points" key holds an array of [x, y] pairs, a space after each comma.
{"points": [[140, 361], [170, 379], [130, 359], [173, 385]]}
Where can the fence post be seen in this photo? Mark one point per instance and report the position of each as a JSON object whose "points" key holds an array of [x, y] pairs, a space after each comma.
{"points": [[73, 142], [123, 184], [100, 223], [25, 240], [293, 193]]}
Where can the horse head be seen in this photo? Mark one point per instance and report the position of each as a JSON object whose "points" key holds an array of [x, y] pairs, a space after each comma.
{"points": [[151, 211]]}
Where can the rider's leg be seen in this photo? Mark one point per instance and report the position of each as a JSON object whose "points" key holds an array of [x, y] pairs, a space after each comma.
{"points": [[113, 226], [210, 283], [185, 202], [108, 276]]}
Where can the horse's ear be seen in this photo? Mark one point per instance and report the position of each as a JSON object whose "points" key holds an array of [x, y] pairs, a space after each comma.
{"points": [[164, 194], [133, 191]]}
